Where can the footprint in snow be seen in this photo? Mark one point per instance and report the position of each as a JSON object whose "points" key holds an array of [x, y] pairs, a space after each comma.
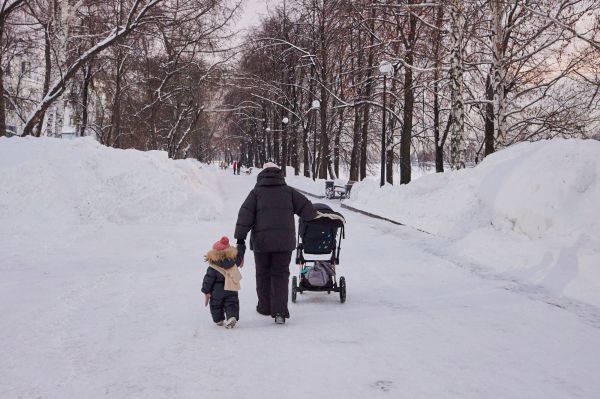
{"points": [[383, 385]]}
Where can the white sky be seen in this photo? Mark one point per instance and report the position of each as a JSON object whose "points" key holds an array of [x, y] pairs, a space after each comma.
{"points": [[252, 12]]}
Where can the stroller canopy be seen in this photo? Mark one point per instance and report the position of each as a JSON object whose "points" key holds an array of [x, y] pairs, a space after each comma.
{"points": [[319, 235], [327, 217]]}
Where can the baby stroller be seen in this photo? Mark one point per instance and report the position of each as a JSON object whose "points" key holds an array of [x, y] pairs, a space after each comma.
{"points": [[321, 236]]}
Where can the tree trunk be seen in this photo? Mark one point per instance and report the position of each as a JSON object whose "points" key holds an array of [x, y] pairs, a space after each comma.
{"points": [[499, 72], [356, 145], [367, 97], [2, 104], [439, 145], [114, 131], [47, 76], [251, 150], [389, 166], [439, 150], [325, 156], [391, 125], [406, 136], [457, 141], [409, 100], [489, 118], [7, 9], [87, 79], [336, 146], [355, 153]]}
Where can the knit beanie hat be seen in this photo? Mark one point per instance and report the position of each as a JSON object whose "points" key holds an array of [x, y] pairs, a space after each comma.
{"points": [[222, 244], [270, 165]]}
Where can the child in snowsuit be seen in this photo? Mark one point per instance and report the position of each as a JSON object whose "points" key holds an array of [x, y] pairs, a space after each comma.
{"points": [[222, 282]]}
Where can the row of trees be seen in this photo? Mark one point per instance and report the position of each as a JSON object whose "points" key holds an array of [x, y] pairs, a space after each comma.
{"points": [[463, 79], [134, 73]]}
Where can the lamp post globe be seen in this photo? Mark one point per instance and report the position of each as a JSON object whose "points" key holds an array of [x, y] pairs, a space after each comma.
{"points": [[385, 68]]}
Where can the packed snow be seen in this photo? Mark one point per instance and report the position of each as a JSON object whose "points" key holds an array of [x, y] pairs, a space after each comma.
{"points": [[530, 211], [102, 266]]}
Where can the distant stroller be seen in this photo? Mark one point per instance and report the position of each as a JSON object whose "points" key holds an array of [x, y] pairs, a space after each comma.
{"points": [[321, 236]]}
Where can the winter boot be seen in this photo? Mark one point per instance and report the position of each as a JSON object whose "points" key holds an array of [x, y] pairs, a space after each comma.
{"points": [[279, 319], [220, 323], [230, 323]]}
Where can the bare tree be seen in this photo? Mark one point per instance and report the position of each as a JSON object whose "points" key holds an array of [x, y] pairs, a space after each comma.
{"points": [[7, 7], [137, 14]]}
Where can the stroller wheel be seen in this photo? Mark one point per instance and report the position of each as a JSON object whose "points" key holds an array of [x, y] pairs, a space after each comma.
{"points": [[342, 289], [294, 288]]}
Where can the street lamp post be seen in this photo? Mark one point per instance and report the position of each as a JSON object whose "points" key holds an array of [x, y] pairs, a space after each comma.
{"points": [[385, 69], [284, 151], [267, 151], [316, 104]]}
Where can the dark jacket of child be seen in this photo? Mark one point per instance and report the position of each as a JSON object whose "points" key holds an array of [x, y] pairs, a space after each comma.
{"points": [[222, 272]]}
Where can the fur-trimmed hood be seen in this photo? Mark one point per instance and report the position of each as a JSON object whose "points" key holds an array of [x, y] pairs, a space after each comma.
{"points": [[225, 258]]}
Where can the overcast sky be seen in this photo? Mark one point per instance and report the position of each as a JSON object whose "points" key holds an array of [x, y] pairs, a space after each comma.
{"points": [[252, 12]]}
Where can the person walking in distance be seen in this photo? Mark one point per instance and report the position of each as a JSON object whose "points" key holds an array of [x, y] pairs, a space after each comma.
{"points": [[268, 213]]}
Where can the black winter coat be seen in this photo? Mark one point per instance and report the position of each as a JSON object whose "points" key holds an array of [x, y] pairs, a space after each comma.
{"points": [[213, 280], [268, 212]]}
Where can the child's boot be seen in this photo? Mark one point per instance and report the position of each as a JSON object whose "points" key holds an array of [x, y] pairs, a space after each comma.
{"points": [[230, 323]]}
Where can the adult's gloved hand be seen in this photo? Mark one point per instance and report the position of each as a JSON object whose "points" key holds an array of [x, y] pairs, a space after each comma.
{"points": [[241, 249]]}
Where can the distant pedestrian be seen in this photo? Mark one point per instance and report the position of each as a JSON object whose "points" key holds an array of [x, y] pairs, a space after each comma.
{"points": [[234, 167]]}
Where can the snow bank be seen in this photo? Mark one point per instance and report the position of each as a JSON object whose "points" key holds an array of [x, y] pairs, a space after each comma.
{"points": [[50, 181], [531, 210]]}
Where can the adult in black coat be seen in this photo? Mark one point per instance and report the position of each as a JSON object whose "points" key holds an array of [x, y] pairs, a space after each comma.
{"points": [[268, 213]]}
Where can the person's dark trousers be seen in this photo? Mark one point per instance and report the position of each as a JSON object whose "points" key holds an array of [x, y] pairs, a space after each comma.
{"points": [[272, 278], [224, 303]]}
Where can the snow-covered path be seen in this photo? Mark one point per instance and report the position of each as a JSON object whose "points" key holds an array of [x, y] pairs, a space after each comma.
{"points": [[116, 311]]}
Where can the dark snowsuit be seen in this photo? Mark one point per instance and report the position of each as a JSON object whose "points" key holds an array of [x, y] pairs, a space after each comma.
{"points": [[222, 302], [268, 212]]}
